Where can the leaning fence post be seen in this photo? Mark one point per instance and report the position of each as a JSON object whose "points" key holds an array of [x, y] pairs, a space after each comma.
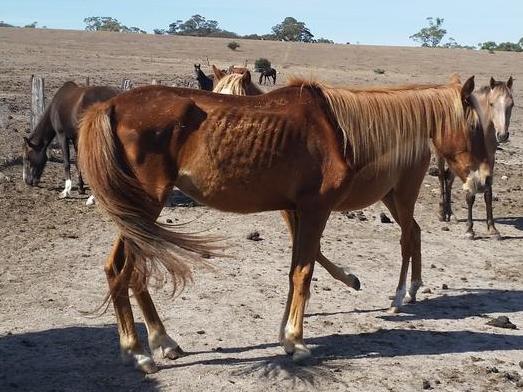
{"points": [[37, 100], [126, 84]]}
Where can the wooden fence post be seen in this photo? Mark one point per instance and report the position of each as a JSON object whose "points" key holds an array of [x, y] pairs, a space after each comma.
{"points": [[37, 100], [87, 81], [126, 84]]}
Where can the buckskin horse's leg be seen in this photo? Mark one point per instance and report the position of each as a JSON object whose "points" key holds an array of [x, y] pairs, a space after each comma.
{"points": [[336, 272], [449, 180], [471, 197], [442, 190], [309, 227], [493, 232], [118, 272], [157, 337]]}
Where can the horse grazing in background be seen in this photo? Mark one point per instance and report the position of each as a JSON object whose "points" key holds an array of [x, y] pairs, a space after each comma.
{"points": [[234, 84], [306, 149], [204, 82], [266, 75], [60, 120], [496, 103]]}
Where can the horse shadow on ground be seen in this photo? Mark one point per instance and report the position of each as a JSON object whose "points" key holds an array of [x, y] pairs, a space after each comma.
{"points": [[68, 359], [468, 303], [514, 221], [85, 358]]}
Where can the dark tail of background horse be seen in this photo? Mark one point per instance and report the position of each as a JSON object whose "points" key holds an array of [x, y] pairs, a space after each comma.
{"points": [[124, 199]]}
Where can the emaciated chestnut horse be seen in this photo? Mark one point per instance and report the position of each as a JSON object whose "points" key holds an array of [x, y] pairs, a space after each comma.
{"points": [[495, 103], [306, 148]]}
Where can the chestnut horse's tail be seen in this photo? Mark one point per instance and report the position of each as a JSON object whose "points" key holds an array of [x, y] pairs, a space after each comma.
{"points": [[148, 244]]}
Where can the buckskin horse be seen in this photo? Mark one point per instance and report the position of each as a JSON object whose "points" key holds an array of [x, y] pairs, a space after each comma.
{"points": [[60, 120], [306, 148], [495, 104]]}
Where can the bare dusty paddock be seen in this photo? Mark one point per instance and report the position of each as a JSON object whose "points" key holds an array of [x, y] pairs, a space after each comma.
{"points": [[52, 251]]}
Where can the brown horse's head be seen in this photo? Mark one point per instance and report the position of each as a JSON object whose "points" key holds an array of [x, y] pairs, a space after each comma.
{"points": [[500, 103], [464, 149], [35, 158]]}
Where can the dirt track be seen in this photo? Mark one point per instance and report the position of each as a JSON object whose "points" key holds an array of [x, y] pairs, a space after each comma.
{"points": [[52, 251]]}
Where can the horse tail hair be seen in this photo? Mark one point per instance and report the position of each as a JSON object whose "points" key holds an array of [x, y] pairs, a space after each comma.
{"points": [[148, 245]]}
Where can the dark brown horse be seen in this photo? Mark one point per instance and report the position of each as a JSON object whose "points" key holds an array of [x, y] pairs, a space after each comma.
{"points": [[60, 120], [204, 82], [267, 74], [307, 149], [495, 103]]}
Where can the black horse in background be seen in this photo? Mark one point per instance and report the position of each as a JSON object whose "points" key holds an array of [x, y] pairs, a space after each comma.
{"points": [[268, 74], [204, 82]]}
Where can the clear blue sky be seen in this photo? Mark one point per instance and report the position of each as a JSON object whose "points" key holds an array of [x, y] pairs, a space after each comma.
{"points": [[381, 22]]}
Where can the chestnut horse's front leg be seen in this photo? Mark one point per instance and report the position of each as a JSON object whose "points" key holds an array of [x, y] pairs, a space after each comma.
{"points": [[64, 144], [119, 272], [309, 227]]}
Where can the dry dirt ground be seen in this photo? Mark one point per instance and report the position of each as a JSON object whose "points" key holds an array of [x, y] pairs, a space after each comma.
{"points": [[52, 251]]}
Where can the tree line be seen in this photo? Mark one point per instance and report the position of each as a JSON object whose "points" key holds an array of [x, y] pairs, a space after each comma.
{"points": [[431, 36]]}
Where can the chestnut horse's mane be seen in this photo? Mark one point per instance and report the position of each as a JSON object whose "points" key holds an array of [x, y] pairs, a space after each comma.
{"points": [[391, 125]]}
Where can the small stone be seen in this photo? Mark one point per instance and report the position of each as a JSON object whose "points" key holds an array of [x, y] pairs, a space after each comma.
{"points": [[256, 316], [426, 384], [501, 322], [504, 177], [444, 286], [519, 384], [349, 214], [361, 216], [426, 290], [492, 369], [433, 266], [168, 220], [326, 288], [445, 228], [512, 376], [218, 349], [254, 236], [433, 171], [384, 218], [200, 332]]}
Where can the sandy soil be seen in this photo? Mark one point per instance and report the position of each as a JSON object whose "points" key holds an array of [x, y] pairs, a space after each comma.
{"points": [[52, 251]]}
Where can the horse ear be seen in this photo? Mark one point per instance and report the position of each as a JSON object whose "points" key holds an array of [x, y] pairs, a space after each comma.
{"points": [[510, 82], [492, 83], [246, 78], [217, 73], [467, 89]]}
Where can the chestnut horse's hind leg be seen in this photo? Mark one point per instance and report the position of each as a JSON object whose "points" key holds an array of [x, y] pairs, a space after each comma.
{"points": [[309, 227], [158, 338], [118, 273], [81, 189], [336, 272]]}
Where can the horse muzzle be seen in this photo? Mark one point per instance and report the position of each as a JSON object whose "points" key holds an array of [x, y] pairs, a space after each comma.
{"points": [[502, 137]]}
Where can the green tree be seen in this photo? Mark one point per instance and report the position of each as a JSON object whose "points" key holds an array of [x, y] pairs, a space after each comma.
{"points": [[102, 23], [292, 30], [3, 24], [31, 26], [431, 35], [489, 45]]}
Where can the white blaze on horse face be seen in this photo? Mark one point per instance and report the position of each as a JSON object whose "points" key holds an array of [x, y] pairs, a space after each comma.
{"points": [[500, 111], [67, 189]]}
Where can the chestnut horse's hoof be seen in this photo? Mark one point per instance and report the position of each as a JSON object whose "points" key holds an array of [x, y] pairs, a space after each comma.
{"points": [[353, 281], [174, 353], [393, 310]]}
